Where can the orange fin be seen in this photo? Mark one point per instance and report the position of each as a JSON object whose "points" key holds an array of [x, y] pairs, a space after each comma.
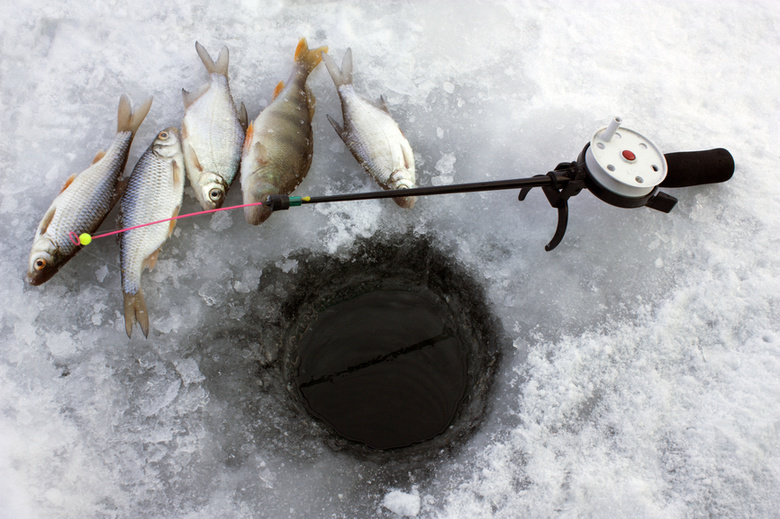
{"points": [[248, 138], [310, 58], [172, 223], [151, 261], [99, 156], [278, 89], [68, 182], [135, 312]]}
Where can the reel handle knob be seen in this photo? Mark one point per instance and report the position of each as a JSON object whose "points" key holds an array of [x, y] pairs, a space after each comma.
{"points": [[694, 168]]}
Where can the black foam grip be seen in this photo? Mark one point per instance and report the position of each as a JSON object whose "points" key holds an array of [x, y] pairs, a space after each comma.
{"points": [[693, 168]]}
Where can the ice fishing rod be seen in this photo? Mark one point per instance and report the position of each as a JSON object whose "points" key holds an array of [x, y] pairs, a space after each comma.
{"points": [[620, 166]]}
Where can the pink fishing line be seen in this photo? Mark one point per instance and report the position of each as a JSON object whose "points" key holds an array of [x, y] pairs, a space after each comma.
{"points": [[75, 239]]}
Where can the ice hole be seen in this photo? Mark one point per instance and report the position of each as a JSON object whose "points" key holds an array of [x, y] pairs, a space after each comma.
{"points": [[391, 348]]}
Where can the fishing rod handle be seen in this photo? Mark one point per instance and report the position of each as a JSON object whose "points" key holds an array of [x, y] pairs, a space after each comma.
{"points": [[694, 168]]}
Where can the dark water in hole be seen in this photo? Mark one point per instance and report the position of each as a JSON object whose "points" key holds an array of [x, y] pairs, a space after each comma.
{"points": [[385, 369]]}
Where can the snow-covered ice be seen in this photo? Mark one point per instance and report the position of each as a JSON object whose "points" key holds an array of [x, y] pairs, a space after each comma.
{"points": [[642, 374]]}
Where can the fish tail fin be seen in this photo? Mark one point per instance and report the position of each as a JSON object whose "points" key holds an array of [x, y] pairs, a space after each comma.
{"points": [[346, 67], [128, 120], [308, 58], [135, 312], [221, 66], [333, 70]]}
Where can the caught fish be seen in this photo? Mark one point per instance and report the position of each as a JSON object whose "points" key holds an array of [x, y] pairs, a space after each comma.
{"points": [[372, 135], [154, 192], [85, 200], [212, 133], [279, 143]]}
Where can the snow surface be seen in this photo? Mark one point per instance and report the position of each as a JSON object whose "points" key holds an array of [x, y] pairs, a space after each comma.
{"points": [[643, 379]]}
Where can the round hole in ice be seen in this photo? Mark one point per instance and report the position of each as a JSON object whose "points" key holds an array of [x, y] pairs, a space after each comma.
{"points": [[385, 369], [391, 348]]}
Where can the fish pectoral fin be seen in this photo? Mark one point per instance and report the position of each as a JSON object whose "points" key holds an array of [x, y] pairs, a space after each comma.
{"points": [[194, 158], [383, 104], [68, 182], [46, 220], [135, 312], [172, 224], [178, 177], [261, 153], [336, 126], [250, 132], [278, 89], [99, 156], [408, 156], [151, 260], [242, 116]]}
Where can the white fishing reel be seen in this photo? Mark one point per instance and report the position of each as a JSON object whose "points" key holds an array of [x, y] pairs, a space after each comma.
{"points": [[625, 162]]}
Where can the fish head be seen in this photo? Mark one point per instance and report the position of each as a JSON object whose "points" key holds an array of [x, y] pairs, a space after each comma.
{"points": [[211, 190], [44, 261], [167, 143]]}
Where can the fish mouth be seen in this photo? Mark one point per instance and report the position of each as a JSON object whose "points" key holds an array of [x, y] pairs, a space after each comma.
{"points": [[39, 277], [42, 265], [257, 214], [407, 202]]}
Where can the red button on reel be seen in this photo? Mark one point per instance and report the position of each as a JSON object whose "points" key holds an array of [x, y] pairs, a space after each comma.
{"points": [[629, 155]]}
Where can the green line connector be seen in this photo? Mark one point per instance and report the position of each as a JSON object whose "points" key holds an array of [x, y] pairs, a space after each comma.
{"points": [[281, 202]]}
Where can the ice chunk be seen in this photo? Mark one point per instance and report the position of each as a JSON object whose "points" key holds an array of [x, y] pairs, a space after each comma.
{"points": [[188, 370], [401, 503]]}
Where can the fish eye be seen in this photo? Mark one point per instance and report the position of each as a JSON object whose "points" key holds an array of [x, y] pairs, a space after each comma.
{"points": [[39, 264], [215, 194]]}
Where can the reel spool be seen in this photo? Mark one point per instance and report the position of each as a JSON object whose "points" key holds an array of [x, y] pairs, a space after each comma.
{"points": [[624, 168]]}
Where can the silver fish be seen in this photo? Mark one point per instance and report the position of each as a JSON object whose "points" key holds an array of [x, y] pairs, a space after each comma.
{"points": [[279, 143], [212, 133], [85, 200], [154, 192], [372, 135]]}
